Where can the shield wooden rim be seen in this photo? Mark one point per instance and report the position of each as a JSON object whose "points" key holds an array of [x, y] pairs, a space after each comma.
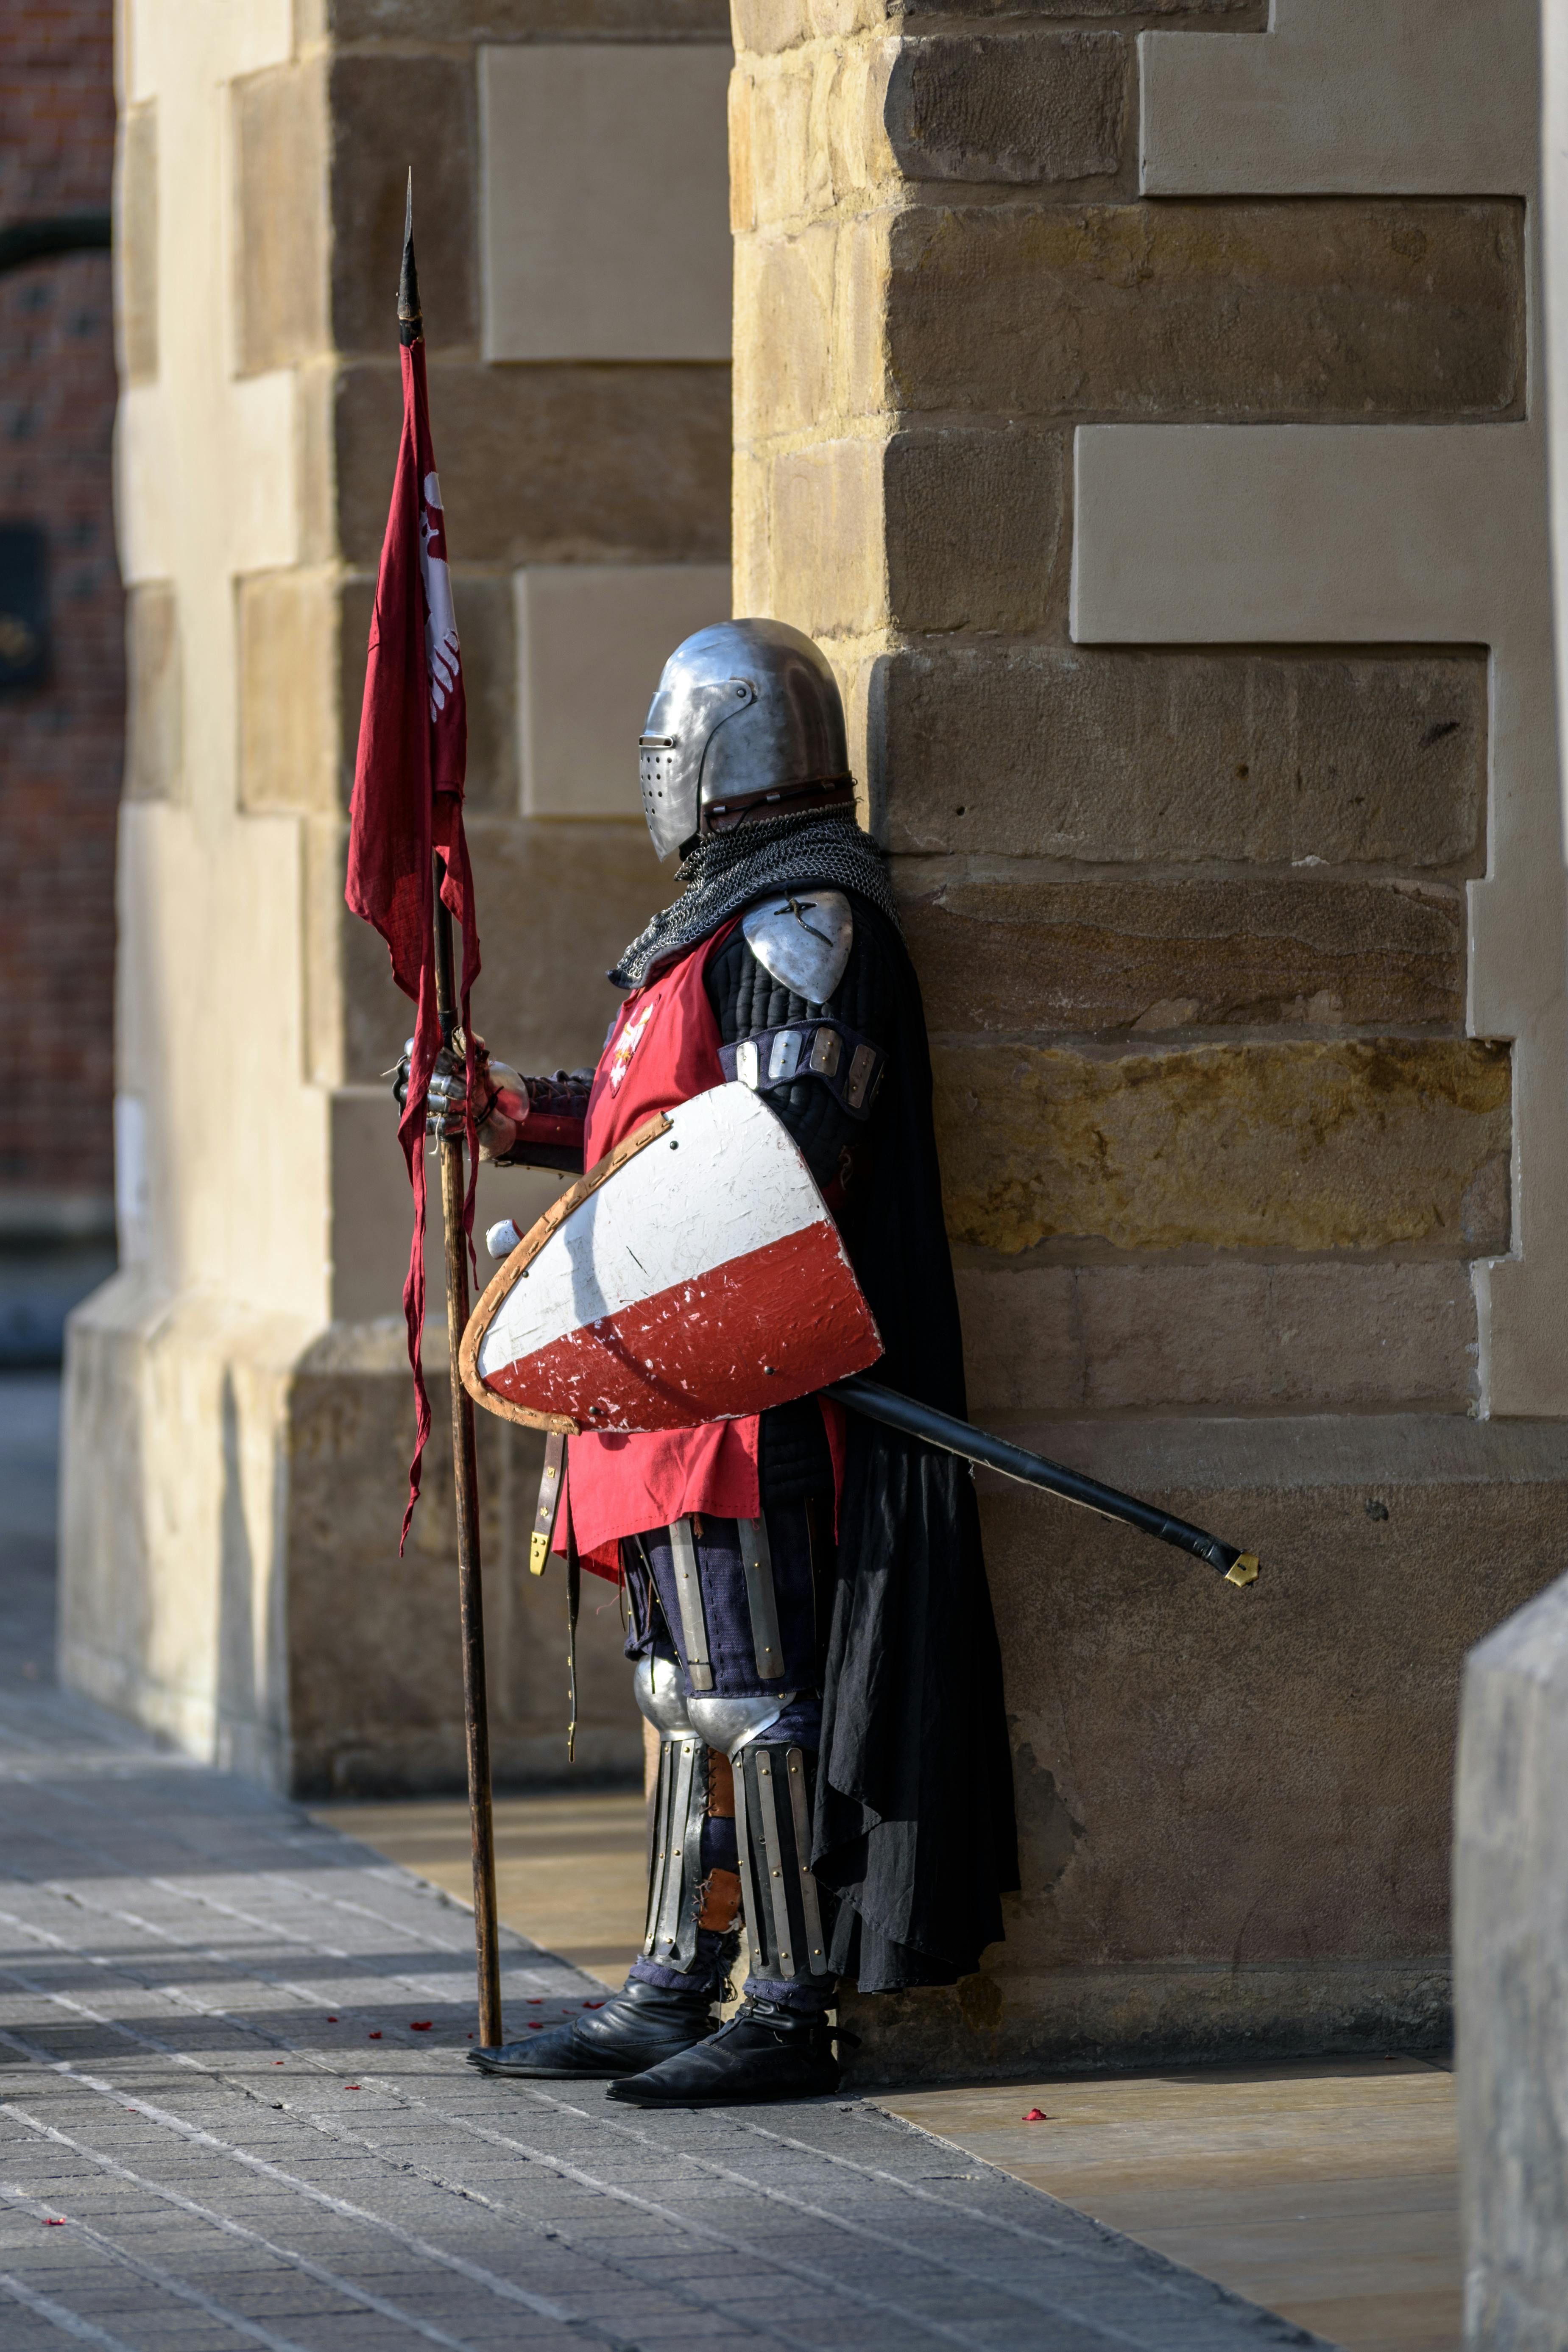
{"points": [[522, 1256]]}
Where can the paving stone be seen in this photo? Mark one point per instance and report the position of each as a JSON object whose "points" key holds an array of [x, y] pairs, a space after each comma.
{"points": [[191, 2118]]}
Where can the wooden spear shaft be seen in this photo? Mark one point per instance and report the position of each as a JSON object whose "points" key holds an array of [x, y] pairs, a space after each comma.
{"points": [[471, 1589]]}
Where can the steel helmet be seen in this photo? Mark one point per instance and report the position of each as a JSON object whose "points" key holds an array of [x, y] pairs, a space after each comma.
{"points": [[746, 712]]}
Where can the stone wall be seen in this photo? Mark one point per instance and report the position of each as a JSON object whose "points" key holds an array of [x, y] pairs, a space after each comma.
{"points": [[1510, 1956], [239, 1416], [1243, 1105]]}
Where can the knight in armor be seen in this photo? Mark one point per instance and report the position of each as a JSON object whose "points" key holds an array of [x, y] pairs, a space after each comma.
{"points": [[809, 1620]]}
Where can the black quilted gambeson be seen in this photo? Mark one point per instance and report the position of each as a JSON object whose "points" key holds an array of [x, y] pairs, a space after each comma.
{"points": [[747, 1000]]}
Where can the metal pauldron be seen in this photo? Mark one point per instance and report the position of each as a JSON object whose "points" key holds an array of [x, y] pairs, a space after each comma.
{"points": [[848, 1064]]}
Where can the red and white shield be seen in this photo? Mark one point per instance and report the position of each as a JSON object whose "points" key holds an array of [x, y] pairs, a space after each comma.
{"points": [[696, 1274]]}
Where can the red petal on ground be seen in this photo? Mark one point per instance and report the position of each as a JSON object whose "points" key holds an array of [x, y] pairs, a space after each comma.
{"points": [[331, 2021], [592, 2004], [421, 2025], [373, 2037], [1036, 2115], [54, 2221]]}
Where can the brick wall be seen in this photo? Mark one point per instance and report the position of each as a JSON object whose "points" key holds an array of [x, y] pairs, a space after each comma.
{"points": [[59, 742]]}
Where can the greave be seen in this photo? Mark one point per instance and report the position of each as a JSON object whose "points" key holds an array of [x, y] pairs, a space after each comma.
{"points": [[688, 1889], [772, 1826]]}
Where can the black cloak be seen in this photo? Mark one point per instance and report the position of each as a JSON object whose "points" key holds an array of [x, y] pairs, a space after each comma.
{"points": [[914, 1826]]}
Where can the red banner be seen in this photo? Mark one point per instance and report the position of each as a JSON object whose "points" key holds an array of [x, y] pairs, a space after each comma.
{"points": [[407, 805]]}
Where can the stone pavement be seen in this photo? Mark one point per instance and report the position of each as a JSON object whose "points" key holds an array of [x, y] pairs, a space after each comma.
{"points": [[234, 2111]]}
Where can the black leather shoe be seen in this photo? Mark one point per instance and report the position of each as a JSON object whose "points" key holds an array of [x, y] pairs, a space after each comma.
{"points": [[763, 2053], [636, 2028]]}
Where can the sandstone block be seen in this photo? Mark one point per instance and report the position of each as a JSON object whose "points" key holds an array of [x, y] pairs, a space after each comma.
{"points": [[1232, 312], [1233, 1806], [783, 322], [826, 537], [766, 26], [1114, 756], [395, 1726], [288, 690], [929, 531], [154, 706], [136, 243], [973, 525], [542, 1002], [282, 145], [1177, 955], [1359, 1145], [1022, 106], [1224, 1336], [384, 111], [1510, 1968], [550, 464]]}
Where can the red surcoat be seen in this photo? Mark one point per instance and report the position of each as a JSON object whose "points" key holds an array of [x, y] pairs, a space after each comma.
{"points": [[663, 1049]]}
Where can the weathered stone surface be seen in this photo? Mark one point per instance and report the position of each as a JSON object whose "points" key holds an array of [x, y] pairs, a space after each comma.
{"points": [[1359, 1145], [1510, 1976], [1238, 312], [281, 142], [542, 1000], [766, 26], [973, 525], [1113, 756], [154, 714], [287, 681], [396, 1724], [1233, 1806], [927, 531], [385, 111], [786, 314], [1228, 1336], [136, 243], [268, 1619], [550, 464], [1018, 107], [1177, 955], [827, 540]]}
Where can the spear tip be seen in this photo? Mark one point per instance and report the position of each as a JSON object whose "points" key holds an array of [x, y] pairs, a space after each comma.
{"points": [[408, 316]]}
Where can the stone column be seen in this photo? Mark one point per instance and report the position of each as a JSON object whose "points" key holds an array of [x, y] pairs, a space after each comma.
{"points": [[1140, 412], [239, 1415]]}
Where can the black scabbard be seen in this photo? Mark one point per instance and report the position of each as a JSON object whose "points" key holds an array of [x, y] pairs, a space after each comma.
{"points": [[954, 1436]]}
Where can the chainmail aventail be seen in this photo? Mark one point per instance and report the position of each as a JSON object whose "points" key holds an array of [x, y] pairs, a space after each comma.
{"points": [[728, 870]]}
